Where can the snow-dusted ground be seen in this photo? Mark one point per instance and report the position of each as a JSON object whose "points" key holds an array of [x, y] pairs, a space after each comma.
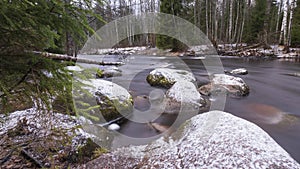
{"points": [[42, 124]]}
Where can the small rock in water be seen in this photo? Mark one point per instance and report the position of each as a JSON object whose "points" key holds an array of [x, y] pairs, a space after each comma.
{"points": [[222, 83], [107, 72], [297, 74], [158, 127], [240, 71], [114, 127]]}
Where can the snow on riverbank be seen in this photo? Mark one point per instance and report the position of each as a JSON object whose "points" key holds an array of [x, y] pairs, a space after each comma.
{"points": [[42, 124]]}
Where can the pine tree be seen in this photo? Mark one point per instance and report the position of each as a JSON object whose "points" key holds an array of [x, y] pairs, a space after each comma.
{"points": [[172, 7], [255, 27], [39, 25], [35, 25], [296, 26]]}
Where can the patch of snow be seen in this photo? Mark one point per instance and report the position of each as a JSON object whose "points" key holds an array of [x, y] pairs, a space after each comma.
{"points": [[74, 68], [47, 73], [42, 124], [126, 51], [288, 55]]}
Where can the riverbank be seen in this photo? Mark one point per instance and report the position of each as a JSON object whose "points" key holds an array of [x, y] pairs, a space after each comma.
{"points": [[275, 51]]}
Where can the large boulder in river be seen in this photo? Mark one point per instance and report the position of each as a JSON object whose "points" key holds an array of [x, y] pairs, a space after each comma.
{"points": [[211, 140], [183, 94], [221, 83], [165, 77], [114, 101]]}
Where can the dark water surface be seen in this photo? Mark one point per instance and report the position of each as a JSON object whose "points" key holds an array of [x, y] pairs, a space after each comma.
{"points": [[272, 91]]}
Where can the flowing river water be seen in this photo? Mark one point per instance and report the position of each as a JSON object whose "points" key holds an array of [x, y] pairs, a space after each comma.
{"points": [[273, 102]]}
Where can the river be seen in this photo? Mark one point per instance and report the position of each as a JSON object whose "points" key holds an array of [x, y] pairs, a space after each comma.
{"points": [[272, 90]]}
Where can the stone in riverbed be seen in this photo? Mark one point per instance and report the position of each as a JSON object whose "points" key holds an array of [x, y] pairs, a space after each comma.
{"points": [[212, 140], [114, 101], [183, 94], [165, 77], [221, 83], [240, 71], [108, 72], [297, 74]]}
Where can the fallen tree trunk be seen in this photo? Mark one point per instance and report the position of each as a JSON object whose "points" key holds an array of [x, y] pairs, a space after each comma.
{"points": [[75, 59]]}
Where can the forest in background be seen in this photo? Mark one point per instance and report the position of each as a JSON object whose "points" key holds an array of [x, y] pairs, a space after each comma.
{"points": [[266, 22], [63, 26]]}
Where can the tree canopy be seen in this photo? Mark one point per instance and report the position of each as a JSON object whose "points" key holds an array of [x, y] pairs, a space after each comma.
{"points": [[43, 24], [60, 26], [173, 7]]}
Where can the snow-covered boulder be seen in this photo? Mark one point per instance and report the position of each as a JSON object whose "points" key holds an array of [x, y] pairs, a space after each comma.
{"points": [[114, 101], [212, 140], [165, 77], [183, 94], [107, 72], [221, 83], [240, 71]]}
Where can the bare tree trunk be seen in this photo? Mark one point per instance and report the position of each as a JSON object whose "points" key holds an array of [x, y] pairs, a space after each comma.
{"points": [[243, 21], [278, 15], [292, 7], [236, 22], [195, 11], [222, 36], [230, 21], [284, 25], [216, 23], [267, 22], [199, 13], [206, 17]]}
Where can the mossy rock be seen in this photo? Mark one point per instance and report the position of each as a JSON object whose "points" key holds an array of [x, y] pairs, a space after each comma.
{"points": [[113, 100], [107, 72], [166, 78]]}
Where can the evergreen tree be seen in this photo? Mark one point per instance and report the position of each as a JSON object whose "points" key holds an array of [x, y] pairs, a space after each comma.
{"points": [[39, 25], [255, 26], [296, 26], [172, 7]]}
